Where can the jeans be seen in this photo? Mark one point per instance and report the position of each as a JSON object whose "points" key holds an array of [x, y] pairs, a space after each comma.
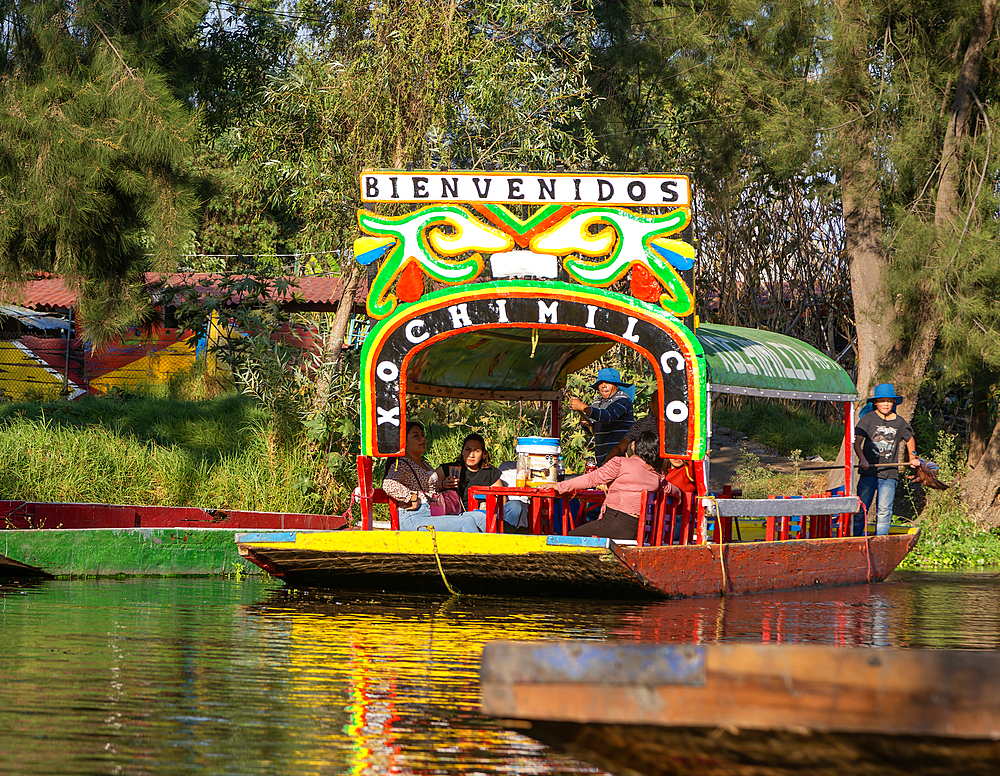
{"points": [[867, 488], [421, 516], [512, 515]]}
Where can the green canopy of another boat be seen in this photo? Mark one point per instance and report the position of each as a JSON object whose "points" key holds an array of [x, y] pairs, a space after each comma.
{"points": [[754, 362]]}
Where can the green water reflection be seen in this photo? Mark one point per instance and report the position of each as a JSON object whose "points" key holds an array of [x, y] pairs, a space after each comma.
{"points": [[209, 676]]}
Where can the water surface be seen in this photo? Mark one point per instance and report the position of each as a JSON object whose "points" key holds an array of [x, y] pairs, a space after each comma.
{"points": [[223, 676]]}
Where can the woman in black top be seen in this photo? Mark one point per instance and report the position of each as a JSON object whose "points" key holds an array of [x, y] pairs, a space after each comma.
{"points": [[473, 468]]}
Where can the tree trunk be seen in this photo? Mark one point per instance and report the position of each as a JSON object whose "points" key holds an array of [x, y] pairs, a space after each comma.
{"points": [[912, 366], [345, 310], [863, 230], [979, 426], [981, 488], [949, 195]]}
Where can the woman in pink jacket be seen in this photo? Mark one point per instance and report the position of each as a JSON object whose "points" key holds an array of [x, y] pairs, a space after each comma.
{"points": [[627, 479]]}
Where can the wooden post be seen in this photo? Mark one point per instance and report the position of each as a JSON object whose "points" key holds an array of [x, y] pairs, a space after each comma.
{"points": [[556, 418]]}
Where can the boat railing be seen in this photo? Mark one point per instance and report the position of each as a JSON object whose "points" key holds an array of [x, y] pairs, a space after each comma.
{"points": [[788, 517], [667, 520]]}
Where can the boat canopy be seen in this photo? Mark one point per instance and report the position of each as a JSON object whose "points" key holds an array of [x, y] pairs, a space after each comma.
{"points": [[754, 362]]}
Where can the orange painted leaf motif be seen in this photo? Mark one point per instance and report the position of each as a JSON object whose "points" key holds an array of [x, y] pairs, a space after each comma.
{"points": [[410, 284], [644, 284]]}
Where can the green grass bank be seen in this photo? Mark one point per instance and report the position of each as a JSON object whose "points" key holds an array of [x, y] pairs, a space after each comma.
{"points": [[221, 453]]}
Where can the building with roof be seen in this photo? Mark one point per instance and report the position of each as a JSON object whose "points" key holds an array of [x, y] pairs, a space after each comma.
{"points": [[42, 354]]}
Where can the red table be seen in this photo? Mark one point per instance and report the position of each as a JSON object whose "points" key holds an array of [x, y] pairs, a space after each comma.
{"points": [[541, 504]]}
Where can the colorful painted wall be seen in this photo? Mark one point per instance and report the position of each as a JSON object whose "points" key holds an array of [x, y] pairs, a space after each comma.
{"points": [[48, 368]]}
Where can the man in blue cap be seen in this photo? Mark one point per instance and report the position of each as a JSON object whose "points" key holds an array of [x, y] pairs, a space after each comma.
{"points": [[877, 438], [611, 413]]}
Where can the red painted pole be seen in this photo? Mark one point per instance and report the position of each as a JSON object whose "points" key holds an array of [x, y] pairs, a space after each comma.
{"points": [[848, 439], [365, 491]]}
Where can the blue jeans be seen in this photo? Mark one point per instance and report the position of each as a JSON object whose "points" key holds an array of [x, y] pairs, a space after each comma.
{"points": [[512, 514], [421, 516], [867, 488]]}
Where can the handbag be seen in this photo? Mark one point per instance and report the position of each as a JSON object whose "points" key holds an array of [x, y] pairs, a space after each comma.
{"points": [[450, 503], [446, 502]]}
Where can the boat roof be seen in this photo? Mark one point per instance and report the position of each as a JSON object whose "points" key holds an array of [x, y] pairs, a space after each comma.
{"points": [[512, 363], [756, 362]]}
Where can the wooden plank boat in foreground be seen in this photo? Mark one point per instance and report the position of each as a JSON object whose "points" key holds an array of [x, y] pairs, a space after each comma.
{"points": [[565, 566], [751, 709]]}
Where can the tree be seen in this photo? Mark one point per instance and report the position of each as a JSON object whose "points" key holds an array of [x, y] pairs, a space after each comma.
{"points": [[94, 145], [425, 83]]}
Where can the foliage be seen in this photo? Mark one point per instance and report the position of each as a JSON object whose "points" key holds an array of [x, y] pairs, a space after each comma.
{"points": [[237, 49], [428, 83], [759, 481], [156, 450], [93, 149], [950, 539], [242, 316], [782, 427]]}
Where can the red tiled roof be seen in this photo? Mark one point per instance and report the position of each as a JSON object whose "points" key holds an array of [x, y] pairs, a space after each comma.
{"points": [[315, 294]]}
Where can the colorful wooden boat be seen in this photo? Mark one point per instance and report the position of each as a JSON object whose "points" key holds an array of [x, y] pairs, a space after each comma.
{"points": [[524, 264], [751, 709], [115, 540], [565, 566]]}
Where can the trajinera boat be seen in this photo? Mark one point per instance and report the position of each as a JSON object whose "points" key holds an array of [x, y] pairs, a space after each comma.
{"points": [[536, 276]]}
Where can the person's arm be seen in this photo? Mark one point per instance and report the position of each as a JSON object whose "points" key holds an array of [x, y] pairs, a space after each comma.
{"points": [[911, 449], [672, 490], [600, 476], [859, 444]]}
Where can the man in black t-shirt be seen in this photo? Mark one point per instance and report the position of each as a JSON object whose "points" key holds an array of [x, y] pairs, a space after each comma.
{"points": [[877, 438]]}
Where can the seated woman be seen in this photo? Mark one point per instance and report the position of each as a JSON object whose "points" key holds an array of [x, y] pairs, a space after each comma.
{"points": [[627, 479], [475, 470], [411, 483]]}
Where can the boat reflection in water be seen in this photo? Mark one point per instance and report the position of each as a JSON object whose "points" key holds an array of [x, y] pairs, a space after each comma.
{"points": [[201, 676], [409, 664]]}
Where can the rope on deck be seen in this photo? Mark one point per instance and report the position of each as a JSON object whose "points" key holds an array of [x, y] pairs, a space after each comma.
{"points": [[437, 557]]}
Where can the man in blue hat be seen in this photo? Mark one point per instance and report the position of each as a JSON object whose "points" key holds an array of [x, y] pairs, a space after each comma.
{"points": [[877, 439], [610, 415]]}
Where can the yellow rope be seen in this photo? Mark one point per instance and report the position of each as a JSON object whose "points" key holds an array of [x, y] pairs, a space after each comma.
{"points": [[718, 525], [437, 557]]}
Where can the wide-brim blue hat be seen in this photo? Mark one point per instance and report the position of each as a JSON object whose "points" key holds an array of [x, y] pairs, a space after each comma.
{"points": [[609, 375], [881, 392], [885, 391]]}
